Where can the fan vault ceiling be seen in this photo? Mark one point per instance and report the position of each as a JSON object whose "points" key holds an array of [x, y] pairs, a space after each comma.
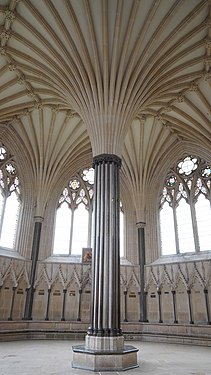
{"points": [[130, 77]]}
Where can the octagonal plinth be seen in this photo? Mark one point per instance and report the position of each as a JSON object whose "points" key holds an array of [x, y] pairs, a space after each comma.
{"points": [[97, 355]]}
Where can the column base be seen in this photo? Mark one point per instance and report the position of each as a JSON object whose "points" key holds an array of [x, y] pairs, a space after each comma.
{"points": [[104, 354]]}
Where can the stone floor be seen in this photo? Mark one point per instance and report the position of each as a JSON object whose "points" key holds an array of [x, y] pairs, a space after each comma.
{"points": [[53, 357]]}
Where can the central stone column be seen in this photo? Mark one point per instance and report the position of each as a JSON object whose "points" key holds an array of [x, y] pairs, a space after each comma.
{"points": [[105, 304], [104, 348]]}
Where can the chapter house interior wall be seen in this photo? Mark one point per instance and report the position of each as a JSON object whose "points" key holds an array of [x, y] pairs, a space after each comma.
{"points": [[55, 280]]}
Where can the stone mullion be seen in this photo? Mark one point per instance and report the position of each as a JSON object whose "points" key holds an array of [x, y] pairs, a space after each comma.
{"points": [[195, 227], [2, 214], [176, 230], [71, 230], [89, 240]]}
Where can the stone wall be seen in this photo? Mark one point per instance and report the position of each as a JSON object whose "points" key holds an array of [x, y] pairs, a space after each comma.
{"points": [[62, 291], [179, 292], [175, 292]]}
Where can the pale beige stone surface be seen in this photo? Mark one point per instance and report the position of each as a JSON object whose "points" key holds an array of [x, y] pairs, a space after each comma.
{"points": [[104, 360], [54, 357], [104, 343]]}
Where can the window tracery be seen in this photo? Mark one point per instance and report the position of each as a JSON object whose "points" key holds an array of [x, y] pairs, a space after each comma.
{"points": [[185, 214], [74, 215], [73, 222], [9, 199]]}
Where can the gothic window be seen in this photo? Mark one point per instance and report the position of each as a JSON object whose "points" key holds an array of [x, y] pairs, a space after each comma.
{"points": [[121, 230], [74, 215], [185, 212], [9, 199], [73, 224]]}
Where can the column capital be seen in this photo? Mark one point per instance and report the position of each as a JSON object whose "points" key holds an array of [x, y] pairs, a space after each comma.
{"points": [[107, 158], [38, 219], [140, 224]]}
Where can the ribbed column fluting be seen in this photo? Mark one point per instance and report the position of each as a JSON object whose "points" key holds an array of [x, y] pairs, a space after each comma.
{"points": [[105, 314]]}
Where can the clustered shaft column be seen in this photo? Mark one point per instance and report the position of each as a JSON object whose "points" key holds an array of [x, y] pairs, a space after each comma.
{"points": [[105, 314], [104, 348]]}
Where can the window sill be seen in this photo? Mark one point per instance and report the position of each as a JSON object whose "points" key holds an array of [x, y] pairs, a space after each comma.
{"points": [[64, 259], [77, 259], [10, 253], [181, 258]]}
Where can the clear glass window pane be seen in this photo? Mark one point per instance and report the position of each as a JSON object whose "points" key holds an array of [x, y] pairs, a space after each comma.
{"points": [[62, 230], [1, 205], [185, 229], [203, 218], [80, 229], [10, 222], [168, 245], [121, 234]]}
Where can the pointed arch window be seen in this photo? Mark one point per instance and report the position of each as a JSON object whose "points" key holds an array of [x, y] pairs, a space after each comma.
{"points": [[9, 199], [185, 207], [73, 221], [121, 230], [74, 215]]}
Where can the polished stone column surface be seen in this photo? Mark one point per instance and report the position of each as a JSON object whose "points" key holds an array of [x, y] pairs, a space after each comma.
{"points": [[104, 348], [141, 249], [63, 304], [34, 258]]}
